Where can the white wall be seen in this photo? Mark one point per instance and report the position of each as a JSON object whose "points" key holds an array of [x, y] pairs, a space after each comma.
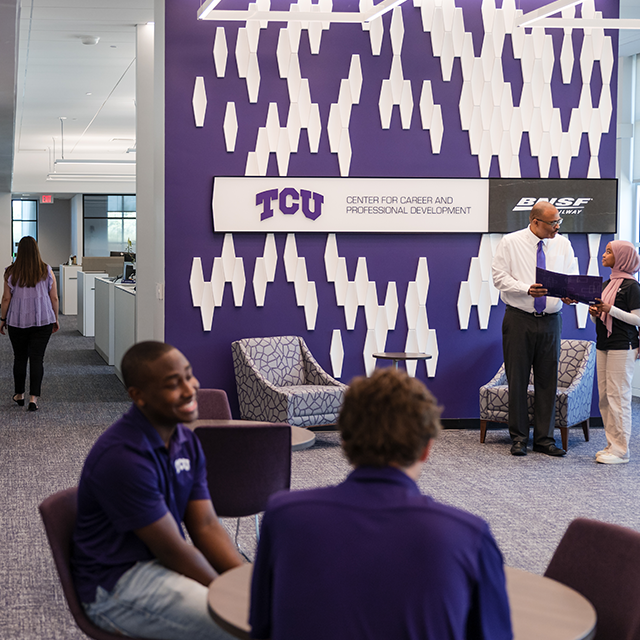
{"points": [[150, 178], [76, 227], [5, 230]]}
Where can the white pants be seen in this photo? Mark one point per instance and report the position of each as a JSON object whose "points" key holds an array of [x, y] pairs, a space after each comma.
{"points": [[615, 372]]}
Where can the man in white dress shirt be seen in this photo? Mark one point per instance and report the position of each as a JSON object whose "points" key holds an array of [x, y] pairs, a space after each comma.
{"points": [[532, 324]]}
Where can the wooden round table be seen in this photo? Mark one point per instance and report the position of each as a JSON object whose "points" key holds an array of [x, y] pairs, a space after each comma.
{"points": [[300, 438], [541, 608]]}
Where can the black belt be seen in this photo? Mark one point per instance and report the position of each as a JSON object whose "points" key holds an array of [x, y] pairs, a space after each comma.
{"points": [[535, 314]]}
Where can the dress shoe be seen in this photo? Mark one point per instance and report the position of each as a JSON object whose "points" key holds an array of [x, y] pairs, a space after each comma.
{"points": [[32, 406], [519, 449], [609, 458], [549, 449], [18, 401]]}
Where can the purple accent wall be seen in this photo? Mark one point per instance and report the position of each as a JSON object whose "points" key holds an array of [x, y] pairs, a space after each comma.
{"points": [[194, 155]]}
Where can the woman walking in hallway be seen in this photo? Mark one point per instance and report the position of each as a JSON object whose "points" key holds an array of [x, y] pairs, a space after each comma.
{"points": [[29, 310]]}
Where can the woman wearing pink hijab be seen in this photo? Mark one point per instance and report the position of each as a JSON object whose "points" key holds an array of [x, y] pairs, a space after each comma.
{"points": [[617, 317]]}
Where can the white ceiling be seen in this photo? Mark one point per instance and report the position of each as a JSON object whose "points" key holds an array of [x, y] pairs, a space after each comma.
{"points": [[92, 86]]}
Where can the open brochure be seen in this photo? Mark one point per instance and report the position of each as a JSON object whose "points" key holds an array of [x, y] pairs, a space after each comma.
{"points": [[560, 285]]}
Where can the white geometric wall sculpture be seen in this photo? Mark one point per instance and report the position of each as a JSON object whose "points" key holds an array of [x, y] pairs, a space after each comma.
{"points": [[478, 289], [230, 127], [305, 289], [199, 101], [582, 310], [395, 90], [336, 353], [220, 52], [265, 269], [379, 319], [495, 126], [420, 338], [340, 115], [226, 268]]}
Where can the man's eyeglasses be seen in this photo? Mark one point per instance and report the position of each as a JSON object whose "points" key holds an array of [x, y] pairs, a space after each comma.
{"points": [[553, 223]]}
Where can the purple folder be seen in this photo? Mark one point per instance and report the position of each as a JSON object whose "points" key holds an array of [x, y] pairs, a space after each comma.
{"points": [[560, 285]]}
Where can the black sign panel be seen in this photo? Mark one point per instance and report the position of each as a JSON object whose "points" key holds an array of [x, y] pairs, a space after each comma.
{"points": [[585, 206]]}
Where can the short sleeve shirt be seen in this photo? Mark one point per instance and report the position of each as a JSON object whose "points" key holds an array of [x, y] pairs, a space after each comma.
{"points": [[373, 559], [31, 306], [130, 480]]}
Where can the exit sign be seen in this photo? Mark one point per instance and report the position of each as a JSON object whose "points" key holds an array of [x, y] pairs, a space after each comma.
{"points": [[46, 199]]}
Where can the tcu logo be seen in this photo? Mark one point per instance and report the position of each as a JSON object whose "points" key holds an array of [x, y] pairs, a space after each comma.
{"points": [[289, 202], [182, 464]]}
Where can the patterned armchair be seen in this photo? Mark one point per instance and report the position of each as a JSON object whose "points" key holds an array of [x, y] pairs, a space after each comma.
{"points": [[573, 399], [278, 380]]}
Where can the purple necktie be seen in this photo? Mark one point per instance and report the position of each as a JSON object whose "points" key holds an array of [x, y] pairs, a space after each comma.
{"points": [[540, 303]]}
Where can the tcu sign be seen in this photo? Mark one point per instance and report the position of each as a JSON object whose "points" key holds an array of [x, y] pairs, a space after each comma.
{"points": [[289, 202]]}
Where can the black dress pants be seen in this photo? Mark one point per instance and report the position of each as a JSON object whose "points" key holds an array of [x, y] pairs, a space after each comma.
{"points": [[29, 344], [529, 341]]}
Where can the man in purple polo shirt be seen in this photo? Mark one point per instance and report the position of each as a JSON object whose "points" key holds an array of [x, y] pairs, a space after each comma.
{"points": [[134, 571], [373, 558]]}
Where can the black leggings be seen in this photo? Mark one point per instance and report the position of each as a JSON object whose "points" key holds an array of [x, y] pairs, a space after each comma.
{"points": [[29, 344]]}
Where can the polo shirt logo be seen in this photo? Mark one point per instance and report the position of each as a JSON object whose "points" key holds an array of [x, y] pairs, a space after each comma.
{"points": [[182, 464]]}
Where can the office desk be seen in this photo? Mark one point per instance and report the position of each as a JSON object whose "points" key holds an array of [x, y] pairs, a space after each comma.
{"points": [[541, 608]]}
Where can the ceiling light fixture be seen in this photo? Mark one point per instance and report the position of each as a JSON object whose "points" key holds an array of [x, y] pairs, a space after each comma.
{"points": [[90, 40], [528, 19], [207, 8], [206, 12], [94, 162], [380, 10], [91, 177]]}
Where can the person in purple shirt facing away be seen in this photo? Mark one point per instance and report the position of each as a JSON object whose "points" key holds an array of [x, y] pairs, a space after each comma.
{"points": [[372, 558], [145, 476]]}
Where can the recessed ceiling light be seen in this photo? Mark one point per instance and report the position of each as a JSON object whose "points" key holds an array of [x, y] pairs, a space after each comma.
{"points": [[90, 40], [89, 93]]}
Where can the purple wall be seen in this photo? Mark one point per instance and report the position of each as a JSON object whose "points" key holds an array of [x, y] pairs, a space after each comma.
{"points": [[195, 155]]}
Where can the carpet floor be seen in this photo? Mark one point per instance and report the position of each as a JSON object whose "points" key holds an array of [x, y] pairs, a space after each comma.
{"points": [[528, 501]]}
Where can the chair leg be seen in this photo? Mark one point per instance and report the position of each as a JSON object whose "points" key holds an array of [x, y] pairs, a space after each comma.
{"points": [[565, 437], [257, 529], [585, 430], [483, 430]]}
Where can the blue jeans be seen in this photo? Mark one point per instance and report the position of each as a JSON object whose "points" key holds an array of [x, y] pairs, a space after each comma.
{"points": [[151, 601]]}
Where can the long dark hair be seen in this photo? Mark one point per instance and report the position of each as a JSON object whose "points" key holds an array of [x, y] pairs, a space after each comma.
{"points": [[28, 268]]}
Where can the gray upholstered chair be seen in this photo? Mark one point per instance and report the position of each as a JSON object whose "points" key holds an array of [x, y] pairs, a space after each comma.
{"points": [[573, 399], [279, 380]]}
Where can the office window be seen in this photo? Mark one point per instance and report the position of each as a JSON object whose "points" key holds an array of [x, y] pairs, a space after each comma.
{"points": [[24, 221], [109, 223]]}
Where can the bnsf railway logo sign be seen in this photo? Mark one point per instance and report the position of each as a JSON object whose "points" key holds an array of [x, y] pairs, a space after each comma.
{"points": [[565, 206]]}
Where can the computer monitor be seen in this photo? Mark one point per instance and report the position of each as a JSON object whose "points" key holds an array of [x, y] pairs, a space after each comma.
{"points": [[129, 272]]}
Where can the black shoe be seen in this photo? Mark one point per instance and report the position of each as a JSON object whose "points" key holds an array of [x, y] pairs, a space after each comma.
{"points": [[18, 401], [549, 449], [519, 449], [32, 406]]}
